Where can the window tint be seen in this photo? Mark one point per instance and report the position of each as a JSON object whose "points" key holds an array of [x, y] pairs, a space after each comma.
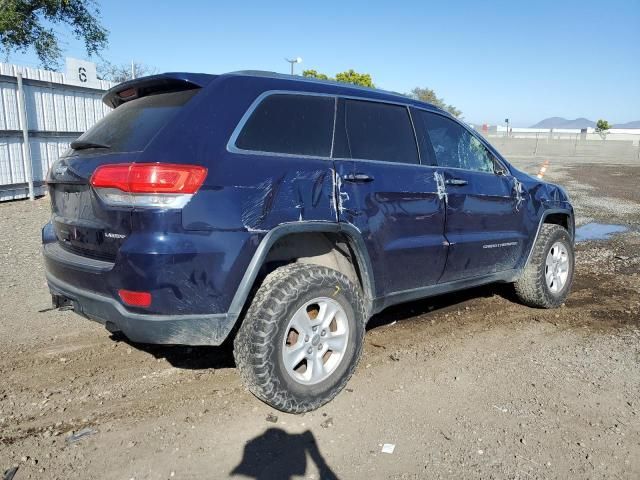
{"points": [[294, 124], [132, 125], [454, 146], [379, 131]]}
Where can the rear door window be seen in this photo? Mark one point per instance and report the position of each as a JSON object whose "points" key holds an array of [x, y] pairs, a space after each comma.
{"points": [[132, 125], [379, 131], [290, 124], [454, 146]]}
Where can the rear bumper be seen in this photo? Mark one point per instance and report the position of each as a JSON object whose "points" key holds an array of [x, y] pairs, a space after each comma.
{"points": [[158, 329], [187, 273], [192, 277]]}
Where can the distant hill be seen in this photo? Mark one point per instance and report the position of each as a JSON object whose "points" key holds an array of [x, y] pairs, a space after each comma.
{"points": [[559, 122], [635, 124]]}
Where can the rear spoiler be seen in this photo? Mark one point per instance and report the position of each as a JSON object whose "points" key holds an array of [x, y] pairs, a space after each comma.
{"points": [[165, 82]]}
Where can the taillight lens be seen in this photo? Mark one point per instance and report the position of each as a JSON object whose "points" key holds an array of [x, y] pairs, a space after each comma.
{"points": [[135, 299], [148, 184]]}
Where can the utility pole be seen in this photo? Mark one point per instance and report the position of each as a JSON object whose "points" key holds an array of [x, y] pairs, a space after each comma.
{"points": [[133, 70], [293, 61]]}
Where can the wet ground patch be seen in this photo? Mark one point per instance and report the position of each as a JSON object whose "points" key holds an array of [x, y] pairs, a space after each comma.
{"points": [[598, 231]]}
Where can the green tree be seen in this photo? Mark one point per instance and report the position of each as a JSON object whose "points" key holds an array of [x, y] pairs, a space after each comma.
{"points": [[314, 74], [355, 78], [602, 128], [349, 76], [429, 96], [28, 24]]}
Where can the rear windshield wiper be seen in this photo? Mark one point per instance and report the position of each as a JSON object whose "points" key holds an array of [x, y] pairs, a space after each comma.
{"points": [[83, 144]]}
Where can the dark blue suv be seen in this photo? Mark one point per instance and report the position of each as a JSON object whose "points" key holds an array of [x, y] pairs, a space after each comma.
{"points": [[283, 212]]}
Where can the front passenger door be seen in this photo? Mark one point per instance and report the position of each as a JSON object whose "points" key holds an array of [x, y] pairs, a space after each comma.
{"points": [[485, 205]]}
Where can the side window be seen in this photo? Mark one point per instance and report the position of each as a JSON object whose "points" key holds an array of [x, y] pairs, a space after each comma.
{"points": [[454, 146], [379, 131], [289, 123], [477, 156]]}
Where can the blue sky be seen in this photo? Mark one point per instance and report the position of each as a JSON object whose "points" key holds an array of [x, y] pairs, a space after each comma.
{"points": [[516, 59]]}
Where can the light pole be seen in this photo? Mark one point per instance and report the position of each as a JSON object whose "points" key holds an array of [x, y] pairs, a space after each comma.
{"points": [[293, 61]]}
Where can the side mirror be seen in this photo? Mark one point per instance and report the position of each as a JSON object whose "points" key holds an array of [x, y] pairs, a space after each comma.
{"points": [[500, 170]]}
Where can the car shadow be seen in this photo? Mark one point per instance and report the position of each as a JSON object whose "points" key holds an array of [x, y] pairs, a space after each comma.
{"points": [[406, 311], [200, 358], [276, 454], [186, 357]]}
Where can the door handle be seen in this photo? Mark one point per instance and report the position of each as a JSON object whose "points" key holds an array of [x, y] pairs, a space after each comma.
{"points": [[456, 181], [357, 178]]}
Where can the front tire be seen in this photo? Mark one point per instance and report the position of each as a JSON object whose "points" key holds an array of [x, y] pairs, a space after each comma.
{"points": [[301, 338], [547, 278]]}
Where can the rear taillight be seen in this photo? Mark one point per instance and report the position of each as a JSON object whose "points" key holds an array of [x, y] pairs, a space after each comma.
{"points": [[148, 184]]}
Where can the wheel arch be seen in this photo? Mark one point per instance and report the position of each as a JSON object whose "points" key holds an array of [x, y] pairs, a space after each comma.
{"points": [[559, 216], [350, 233]]}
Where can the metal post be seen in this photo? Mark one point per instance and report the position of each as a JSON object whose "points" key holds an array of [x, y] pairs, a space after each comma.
{"points": [[293, 61], [26, 148], [133, 70]]}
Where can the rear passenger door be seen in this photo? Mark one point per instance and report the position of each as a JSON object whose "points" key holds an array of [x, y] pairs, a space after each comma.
{"points": [[386, 192], [485, 207]]}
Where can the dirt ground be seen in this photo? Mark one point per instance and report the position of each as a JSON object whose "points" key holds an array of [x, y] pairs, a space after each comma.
{"points": [[470, 385]]}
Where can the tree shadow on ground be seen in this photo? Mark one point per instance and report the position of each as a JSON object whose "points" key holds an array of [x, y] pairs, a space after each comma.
{"points": [[277, 454]]}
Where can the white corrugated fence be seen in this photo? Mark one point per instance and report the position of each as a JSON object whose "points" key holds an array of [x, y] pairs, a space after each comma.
{"points": [[56, 111]]}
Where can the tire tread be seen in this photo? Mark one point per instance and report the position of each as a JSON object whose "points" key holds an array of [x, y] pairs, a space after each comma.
{"points": [[531, 287], [254, 342]]}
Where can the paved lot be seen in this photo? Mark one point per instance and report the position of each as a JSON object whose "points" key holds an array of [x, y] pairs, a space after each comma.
{"points": [[466, 385]]}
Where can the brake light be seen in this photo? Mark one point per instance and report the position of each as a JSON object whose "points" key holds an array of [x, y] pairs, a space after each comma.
{"points": [[150, 177], [128, 93], [135, 299], [148, 184]]}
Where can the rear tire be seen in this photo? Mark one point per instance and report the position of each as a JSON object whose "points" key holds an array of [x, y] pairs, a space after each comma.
{"points": [[279, 328], [547, 278]]}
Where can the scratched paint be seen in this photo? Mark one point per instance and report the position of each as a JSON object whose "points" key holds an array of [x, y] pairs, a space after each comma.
{"points": [[260, 203], [442, 191], [341, 196], [518, 192]]}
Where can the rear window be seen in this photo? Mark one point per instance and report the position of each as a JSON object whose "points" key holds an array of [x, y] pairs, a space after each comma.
{"points": [[290, 124], [380, 131], [131, 126]]}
